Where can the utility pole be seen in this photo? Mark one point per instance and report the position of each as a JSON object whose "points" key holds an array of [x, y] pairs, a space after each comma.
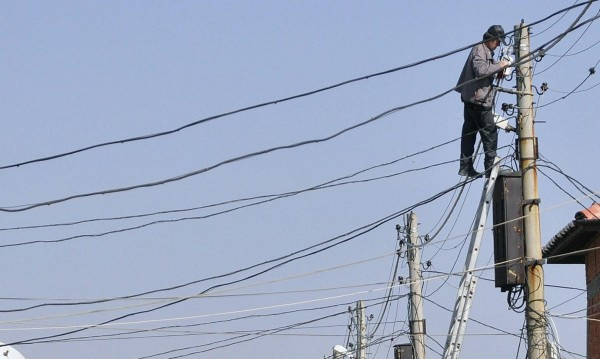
{"points": [[534, 278], [417, 323], [361, 320]]}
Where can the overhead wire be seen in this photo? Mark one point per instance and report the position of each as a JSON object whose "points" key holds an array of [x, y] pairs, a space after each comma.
{"points": [[568, 300], [553, 166], [550, 44], [392, 279], [219, 347], [473, 319], [284, 260], [490, 267], [214, 294], [575, 42], [266, 199], [326, 184], [22, 208], [591, 71], [127, 332], [88, 303], [271, 102], [583, 206], [206, 169], [462, 245], [557, 20], [575, 53], [574, 92], [254, 309], [240, 339]]}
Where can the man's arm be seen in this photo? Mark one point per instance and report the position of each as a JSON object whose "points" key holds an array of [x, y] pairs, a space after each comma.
{"points": [[482, 66]]}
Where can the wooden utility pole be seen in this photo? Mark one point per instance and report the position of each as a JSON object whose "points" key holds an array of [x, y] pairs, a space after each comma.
{"points": [[535, 313], [417, 323], [361, 350]]}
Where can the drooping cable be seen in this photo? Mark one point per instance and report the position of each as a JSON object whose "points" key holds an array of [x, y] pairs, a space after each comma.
{"points": [[272, 102], [554, 41], [331, 243], [569, 49]]}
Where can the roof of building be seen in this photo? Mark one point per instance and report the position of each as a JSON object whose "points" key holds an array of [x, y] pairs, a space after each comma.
{"points": [[573, 237]]}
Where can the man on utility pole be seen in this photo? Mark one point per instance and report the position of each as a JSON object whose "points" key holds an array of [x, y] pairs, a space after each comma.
{"points": [[535, 313], [477, 94]]}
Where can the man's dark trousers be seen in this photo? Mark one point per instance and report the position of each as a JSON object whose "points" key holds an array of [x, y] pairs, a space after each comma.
{"points": [[478, 119]]}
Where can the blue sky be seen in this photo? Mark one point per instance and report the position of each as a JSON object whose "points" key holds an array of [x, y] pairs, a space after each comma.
{"points": [[79, 74]]}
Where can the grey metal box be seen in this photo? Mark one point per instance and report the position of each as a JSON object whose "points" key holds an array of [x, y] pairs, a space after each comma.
{"points": [[403, 351], [509, 244]]}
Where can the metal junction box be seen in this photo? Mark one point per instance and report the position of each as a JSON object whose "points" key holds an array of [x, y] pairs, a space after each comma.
{"points": [[403, 351], [509, 241]]}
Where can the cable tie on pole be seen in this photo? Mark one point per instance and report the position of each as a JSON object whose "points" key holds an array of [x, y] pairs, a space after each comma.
{"points": [[529, 202], [531, 262]]}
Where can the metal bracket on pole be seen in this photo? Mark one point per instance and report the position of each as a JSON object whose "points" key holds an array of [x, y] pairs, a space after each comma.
{"points": [[422, 323], [528, 262], [536, 152], [511, 91], [532, 201]]}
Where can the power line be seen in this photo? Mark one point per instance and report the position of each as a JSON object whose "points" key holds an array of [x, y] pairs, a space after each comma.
{"points": [[576, 41], [206, 169], [326, 184], [217, 294], [591, 71], [244, 109], [571, 179], [126, 332], [283, 260], [542, 48], [269, 198], [271, 102]]}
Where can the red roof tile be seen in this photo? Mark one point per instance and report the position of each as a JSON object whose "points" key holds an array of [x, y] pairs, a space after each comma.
{"points": [[591, 213]]}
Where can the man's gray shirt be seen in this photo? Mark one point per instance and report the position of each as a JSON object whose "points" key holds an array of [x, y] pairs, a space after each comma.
{"points": [[479, 64]]}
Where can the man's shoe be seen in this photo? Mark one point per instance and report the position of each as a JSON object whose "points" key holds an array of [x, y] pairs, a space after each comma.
{"points": [[469, 172]]}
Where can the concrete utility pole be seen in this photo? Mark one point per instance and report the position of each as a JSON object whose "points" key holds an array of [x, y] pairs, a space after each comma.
{"points": [[535, 312], [361, 320], [417, 323]]}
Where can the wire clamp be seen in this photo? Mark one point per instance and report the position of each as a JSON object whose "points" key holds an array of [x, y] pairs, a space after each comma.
{"points": [[531, 262], [511, 91], [532, 201]]}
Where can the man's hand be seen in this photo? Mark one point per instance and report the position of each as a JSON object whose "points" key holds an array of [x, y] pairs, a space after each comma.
{"points": [[502, 63]]}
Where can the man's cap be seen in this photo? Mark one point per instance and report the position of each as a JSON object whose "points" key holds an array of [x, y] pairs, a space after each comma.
{"points": [[494, 32]]}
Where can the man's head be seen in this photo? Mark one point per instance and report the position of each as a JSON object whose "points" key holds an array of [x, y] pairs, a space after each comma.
{"points": [[493, 36]]}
